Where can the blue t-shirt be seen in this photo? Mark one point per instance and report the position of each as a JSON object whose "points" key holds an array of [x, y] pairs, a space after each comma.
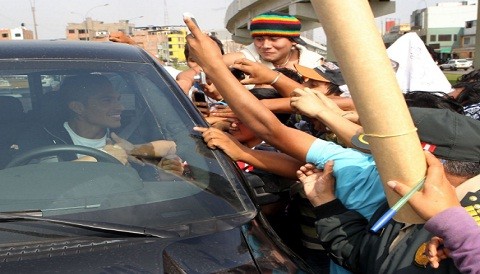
{"points": [[358, 184]]}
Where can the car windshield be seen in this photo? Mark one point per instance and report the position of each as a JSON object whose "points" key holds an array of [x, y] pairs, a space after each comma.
{"points": [[206, 197]]}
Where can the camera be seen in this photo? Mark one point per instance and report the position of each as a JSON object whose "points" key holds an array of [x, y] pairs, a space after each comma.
{"points": [[201, 78], [240, 75]]}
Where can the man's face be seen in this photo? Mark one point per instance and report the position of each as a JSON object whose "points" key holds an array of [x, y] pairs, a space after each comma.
{"points": [[316, 85], [103, 109], [273, 49]]}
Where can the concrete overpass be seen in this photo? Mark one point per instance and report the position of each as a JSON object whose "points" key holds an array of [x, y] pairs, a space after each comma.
{"points": [[240, 12]]}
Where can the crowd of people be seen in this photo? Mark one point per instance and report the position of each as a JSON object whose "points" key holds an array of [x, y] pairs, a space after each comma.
{"points": [[284, 114], [320, 158]]}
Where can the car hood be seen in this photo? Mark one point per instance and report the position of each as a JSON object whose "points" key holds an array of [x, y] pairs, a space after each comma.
{"points": [[217, 252]]}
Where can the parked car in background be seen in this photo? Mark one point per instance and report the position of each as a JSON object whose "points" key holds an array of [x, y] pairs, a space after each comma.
{"points": [[454, 64], [106, 217], [470, 60]]}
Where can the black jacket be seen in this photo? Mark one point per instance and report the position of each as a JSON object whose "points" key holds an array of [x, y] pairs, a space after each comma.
{"points": [[40, 136], [345, 235]]}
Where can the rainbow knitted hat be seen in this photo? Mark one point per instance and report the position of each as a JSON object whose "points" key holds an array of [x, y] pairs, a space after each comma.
{"points": [[275, 24]]}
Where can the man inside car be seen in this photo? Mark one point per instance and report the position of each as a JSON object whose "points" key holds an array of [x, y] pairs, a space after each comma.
{"points": [[93, 107]]}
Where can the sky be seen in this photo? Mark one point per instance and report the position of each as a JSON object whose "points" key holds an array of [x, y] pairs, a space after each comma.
{"points": [[52, 16]]}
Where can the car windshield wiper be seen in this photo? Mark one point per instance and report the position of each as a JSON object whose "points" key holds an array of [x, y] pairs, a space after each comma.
{"points": [[36, 215]]}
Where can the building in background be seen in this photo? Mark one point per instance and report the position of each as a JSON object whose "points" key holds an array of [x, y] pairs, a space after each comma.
{"points": [[167, 43], [20, 33], [172, 49], [394, 32], [92, 30], [441, 26], [466, 47], [152, 39]]}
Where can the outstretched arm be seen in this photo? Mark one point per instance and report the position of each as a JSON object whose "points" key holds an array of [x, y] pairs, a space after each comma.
{"points": [[315, 105], [248, 109], [260, 74], [274, 162]]}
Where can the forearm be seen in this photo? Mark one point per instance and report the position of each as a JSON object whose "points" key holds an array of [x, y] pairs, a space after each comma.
{"points": [[285, 86], [155, 149], [342, 127], [274, 162], [278, 105], [244, 104], [345, 104]]}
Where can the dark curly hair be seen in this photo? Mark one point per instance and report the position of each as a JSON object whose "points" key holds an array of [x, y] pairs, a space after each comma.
{"points": [[425, 99]]}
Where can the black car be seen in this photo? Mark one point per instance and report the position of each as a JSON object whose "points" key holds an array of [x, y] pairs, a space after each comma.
{"points": [[106, 217]]}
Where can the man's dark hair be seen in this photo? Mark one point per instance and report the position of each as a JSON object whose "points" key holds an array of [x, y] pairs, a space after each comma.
{"points": [[470, 94], [186, 51], [292, 74], [333, 89], [425, 99], [80, 87], [461, 168]]}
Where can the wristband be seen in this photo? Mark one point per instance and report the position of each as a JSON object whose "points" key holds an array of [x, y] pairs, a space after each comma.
{"points": [[276, 78]]}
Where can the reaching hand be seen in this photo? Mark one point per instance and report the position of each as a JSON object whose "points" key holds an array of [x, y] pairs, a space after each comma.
{"points": [[319, 186], [257, 73], [222, 111], [172, 163], [437, 193], [203, 108], [436, 252], [154, 149], [121, 37], [222, 124], [311, 102], [126, 145], [203, 50], [118, 152], [216, 138]]}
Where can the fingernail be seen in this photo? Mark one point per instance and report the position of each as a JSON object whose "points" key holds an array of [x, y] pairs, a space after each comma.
{"points": [[392, 184]]}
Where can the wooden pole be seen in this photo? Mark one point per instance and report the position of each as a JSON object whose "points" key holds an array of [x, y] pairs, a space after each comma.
{"points": [[357, 44]]}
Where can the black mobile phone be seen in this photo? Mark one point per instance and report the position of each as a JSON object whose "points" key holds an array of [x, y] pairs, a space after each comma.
{"points": [[199, 97], [240, 75]]}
